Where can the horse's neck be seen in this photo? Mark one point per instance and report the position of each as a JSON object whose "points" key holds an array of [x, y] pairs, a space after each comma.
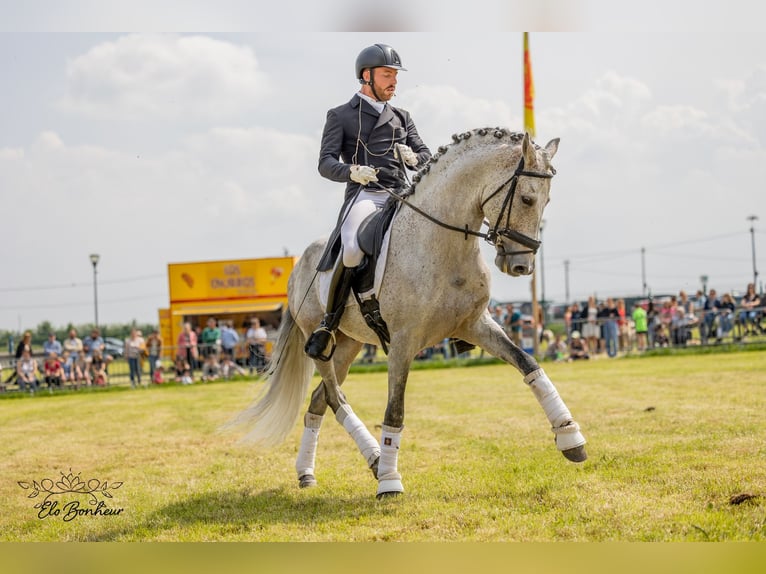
{"points": [[451, 194]]}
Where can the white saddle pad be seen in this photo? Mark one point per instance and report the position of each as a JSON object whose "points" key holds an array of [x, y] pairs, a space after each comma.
{"points": [[326, 276]]}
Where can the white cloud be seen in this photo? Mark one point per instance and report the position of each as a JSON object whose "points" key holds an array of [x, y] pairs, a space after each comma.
{"points": [[164, 76]]}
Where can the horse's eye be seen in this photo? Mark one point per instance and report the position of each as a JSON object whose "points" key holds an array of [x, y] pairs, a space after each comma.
{"points": [[526, 200]]}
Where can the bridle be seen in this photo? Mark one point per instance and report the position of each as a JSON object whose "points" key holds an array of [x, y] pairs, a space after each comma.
{"points": [[492, 236]]}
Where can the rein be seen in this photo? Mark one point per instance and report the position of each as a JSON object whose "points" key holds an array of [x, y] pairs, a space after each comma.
{"points": [[492, 235]]}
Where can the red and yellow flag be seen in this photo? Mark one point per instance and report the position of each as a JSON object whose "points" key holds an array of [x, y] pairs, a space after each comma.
{"points": [[529, 90]]}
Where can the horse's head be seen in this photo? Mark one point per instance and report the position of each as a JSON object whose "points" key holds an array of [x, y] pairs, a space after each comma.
{"points": [[515, 208]]}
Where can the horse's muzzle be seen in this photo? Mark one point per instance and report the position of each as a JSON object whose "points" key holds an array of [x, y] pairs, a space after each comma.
{"points": [[515, 265]]}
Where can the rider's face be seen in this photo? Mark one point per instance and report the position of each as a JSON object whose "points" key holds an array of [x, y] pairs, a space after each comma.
{"points": [[385, 82]]}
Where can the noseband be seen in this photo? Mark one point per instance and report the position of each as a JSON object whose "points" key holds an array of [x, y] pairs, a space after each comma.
{"points": [[493, 235]]}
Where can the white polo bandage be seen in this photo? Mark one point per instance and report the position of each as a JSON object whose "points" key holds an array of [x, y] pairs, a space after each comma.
{"points": [[548, 397], [390, 439], [304, 464], [364, 440]]}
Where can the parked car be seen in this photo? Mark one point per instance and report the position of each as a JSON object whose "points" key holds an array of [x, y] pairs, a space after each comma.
{"points": [[114, 347]]}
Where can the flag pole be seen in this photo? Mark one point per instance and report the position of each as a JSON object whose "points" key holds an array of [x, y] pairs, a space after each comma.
{"points": [[529, 127]]}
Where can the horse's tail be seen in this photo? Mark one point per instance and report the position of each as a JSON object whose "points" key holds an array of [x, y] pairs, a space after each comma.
{"points": [[272, 416]]}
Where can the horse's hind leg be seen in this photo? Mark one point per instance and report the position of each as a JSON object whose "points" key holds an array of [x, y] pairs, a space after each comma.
{"points": [[346, 352], [491, 337]]}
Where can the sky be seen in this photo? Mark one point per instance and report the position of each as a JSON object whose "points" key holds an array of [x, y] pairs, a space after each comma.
{"points": [[134, 135]]}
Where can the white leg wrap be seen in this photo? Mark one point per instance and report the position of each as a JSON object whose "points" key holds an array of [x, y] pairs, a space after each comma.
{"points": [[567, 431], [304, 464], [389, 479], [367, 444]]}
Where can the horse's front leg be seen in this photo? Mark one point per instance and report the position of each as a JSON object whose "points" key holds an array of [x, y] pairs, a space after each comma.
{"points": [[489, 336], [389, 479]]}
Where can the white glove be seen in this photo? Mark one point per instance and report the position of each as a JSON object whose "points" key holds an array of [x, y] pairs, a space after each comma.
{"points": [[405, 152], [363, 174]]}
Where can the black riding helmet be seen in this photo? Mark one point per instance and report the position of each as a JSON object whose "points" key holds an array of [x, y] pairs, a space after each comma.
{"points": [[377, 56]]}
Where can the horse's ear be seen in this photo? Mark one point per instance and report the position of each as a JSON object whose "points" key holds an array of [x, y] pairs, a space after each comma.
{"points": [[552, 147], [528, 150]]}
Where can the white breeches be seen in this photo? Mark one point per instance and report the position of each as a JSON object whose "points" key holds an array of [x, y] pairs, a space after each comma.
{"points": [[365, 204]]}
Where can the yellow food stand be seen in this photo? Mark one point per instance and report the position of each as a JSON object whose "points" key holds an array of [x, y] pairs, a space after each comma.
{"points": [[232, 290]]}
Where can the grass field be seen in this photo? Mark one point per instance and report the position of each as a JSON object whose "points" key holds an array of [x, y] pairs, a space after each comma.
{"points": [[677, 451]]}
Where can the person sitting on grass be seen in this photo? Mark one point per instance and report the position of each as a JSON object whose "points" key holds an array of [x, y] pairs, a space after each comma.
{"points": [[54, 372], [72, 371], [27, 372], [98, 370], [577, 347], [211, 370], [183, 371], [157, 372], [229, 367]]}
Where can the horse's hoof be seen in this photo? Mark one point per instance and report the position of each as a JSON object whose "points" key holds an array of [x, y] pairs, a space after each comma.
{"points": [[384, 495], [389, 488], [307, 481], [374, 468], [576, 454]]}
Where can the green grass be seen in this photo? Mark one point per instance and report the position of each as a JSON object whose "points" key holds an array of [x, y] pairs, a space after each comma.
{"points": [[671, 440]]}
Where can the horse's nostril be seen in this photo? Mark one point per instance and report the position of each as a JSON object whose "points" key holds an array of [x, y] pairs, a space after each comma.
{"points": [[520, 270]]}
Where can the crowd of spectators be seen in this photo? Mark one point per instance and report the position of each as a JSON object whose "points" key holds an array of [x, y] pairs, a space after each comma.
{"points": [[608, 327], [203, 355]]}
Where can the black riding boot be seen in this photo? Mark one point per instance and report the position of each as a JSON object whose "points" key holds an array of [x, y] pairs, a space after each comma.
{"points": [[340, 287]]}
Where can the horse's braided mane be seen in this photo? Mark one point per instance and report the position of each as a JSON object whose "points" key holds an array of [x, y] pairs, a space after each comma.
{"points": [[458, 139]]}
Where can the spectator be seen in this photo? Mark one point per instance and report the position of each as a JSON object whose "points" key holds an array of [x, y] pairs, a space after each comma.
{"points": [[187, 347], [642, 326], [229, 367], [24, 345], [750, 315], [210, 338], [134, 348], [667, 312], [183, 370], [725, 316], [610, 327], [590, 328], [712, 305], [72, 371], [623, 326], [53, 371], [52, 345], [652, 321], [256, 345], [73, 344], [157, 372], [211, 370], [578, 348], [679, 327], [27, 372], [93, 343], [154, 350], [229, 339], [98, 374], [557, 349], [513, 323]]}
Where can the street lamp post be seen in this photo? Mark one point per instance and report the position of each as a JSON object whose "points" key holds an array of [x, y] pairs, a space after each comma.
{"points": [[94, 257], [752, 219]]}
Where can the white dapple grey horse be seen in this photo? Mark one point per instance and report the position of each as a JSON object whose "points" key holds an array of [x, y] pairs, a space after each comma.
{"points": [[436, 285]]}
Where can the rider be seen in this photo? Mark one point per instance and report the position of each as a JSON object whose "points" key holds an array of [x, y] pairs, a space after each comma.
{"points": [[365, 141]]}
